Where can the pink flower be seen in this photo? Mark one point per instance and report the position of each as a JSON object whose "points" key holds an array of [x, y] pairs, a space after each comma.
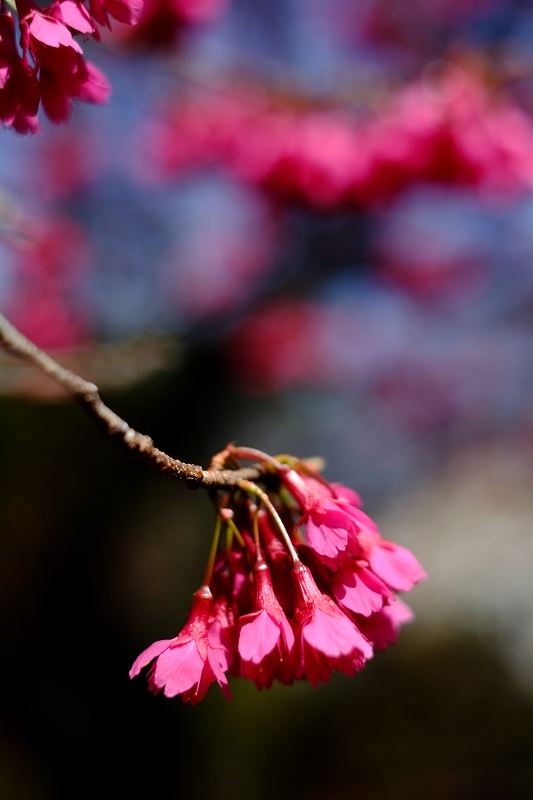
{"points": [[40, 29], [127, 11], [19, 87], [280, 619], [266, 637], [66, 76], [395, 565], [327, 640], [364, 533], [381, 628], [342, 492], [359, 590], [190, 662], [76, 17], [222, 629], [327, 525]]}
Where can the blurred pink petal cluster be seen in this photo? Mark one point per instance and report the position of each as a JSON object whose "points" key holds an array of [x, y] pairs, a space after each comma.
{"points": [[449, 130], [41, 300], [46, 65], [303, 585], [426, 374]]}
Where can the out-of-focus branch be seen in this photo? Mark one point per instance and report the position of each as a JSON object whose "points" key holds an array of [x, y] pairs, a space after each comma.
{"points": [[140, 445]]}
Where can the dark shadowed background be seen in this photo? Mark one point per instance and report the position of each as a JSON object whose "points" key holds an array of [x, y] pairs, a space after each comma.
{"points": [[255, 242]]}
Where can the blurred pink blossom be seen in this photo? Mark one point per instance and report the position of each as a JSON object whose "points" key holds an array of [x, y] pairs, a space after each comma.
{"points": [[451, 131]]}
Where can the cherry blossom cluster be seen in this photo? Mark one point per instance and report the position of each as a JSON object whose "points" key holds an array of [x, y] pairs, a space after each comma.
{"points": [[452, 131], [44, 65], [299, 584]]}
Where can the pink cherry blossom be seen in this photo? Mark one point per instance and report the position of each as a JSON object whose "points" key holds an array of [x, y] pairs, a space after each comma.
{"points": [[65, 76], [342, 492], [327, 640], [190, 662], [222, 629], [327, 525], [43, 27], [297, 614], [395, 565], [381, 628], [63, 73], [359, 590], [19, 87], [126, 11], [51, 69], [266, 636], [76, 16]]}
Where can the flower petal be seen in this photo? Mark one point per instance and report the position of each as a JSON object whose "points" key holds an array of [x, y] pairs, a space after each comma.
{"points": [[52, 32], [334, 636], [218, 673], [76, 16], [148, 655], [357, 594], [395, 565], [258, 638], [325, 539], [178, 668]]}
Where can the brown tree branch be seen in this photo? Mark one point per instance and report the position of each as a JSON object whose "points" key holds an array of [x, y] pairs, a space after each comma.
{"points": [[138, 444]]}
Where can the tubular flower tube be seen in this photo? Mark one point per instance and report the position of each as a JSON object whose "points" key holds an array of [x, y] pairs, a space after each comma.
{"points": [[188, 664], [266, 637], [327, 639], [274, 617]]}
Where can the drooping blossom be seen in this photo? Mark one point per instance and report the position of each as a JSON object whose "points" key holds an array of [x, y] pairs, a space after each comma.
{"points": [[327, 640], [284, 610], [126, 11], [266, 636], [357, 589], [395, 565], [326, 524], [382, 627], [19, 87], [47, 65], [189, 663], [390, 564]]}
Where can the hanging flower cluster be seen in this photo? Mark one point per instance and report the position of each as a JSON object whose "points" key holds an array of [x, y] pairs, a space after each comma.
{"points": [[300, 584], [46, 65]]}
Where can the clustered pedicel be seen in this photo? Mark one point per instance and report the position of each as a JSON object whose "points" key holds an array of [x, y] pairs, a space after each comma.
{"points": [[299, 583]]}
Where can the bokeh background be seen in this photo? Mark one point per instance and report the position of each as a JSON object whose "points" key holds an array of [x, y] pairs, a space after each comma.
{"points": [[307, 226]]}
